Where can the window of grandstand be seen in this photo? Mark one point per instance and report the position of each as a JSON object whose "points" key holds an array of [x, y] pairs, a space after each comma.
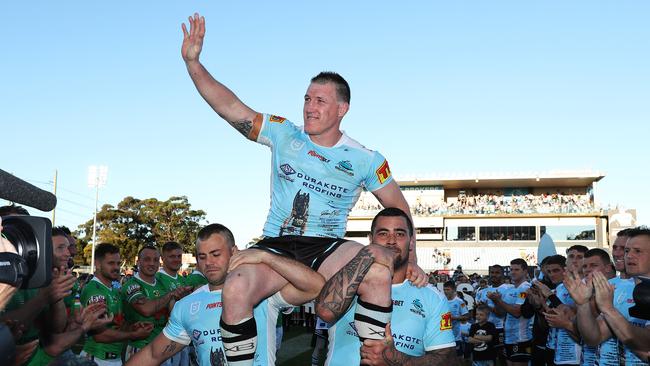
{"points": [[461, 233], [429, 230], [570, 233], [507, 233]]}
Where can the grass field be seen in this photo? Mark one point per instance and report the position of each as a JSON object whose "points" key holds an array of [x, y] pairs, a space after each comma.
{"points": [[296, 348]]}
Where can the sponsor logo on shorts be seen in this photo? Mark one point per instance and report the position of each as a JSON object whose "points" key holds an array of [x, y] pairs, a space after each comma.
{"points": [[383, 172], [276, 119], [346, 167], [445, 321], [318, 156]]}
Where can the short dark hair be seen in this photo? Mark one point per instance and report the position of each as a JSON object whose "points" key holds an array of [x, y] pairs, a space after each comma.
{"points": [[450, 284], [520, 262], [484, 308], [556, 259], [392, 212], [579, 248], [105, 248], [171, 245], [148, 246], [498, 266], [342, 86], [65, 230], [57, 231], [638, 231], [13, 209], [211, 229], [597, 252], [624, 232]]}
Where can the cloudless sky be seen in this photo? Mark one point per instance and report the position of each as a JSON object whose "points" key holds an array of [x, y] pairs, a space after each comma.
{"points": [[454, 86]]}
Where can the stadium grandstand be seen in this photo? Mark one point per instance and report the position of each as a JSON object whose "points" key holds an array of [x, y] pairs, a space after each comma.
{"points": [[476, 220]]}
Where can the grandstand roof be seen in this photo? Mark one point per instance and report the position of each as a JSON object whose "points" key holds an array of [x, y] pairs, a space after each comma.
{"points": [[563, 178]]}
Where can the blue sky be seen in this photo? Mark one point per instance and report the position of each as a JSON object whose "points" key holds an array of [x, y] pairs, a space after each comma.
{"points": [[436, 87]]}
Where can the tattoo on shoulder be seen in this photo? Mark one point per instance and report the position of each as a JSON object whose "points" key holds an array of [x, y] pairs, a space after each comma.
{"points": [[243, 126]]}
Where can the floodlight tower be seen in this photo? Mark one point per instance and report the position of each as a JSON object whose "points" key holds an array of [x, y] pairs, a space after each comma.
{"points": [[96, 178]]}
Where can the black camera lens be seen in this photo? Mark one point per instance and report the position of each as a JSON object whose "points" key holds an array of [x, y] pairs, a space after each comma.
{"points": [[32, 238]]}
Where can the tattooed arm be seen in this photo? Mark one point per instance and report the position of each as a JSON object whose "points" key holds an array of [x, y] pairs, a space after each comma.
{"points": [[380, 353], [218, 96], [337, 293], [156, 352]]}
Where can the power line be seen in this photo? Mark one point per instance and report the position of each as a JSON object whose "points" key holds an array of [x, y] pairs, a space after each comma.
{"points": [[75, 203]]}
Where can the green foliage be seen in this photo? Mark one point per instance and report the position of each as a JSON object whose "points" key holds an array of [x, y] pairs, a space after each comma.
{"points": [[135, 223]]}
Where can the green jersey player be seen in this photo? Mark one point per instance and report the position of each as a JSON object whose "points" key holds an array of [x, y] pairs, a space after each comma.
{"points": [[105, 346]]}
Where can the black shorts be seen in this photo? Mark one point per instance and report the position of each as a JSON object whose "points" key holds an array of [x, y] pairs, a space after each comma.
{"points": [[308, 250], [519, 352]]}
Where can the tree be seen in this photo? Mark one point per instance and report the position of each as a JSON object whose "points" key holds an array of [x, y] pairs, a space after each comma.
{"points": [[135, 223]]}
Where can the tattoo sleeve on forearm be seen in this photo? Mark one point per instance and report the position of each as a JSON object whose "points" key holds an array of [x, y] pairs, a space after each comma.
{"points": [[170, 348], [393, 357], [338, 291], [243, 126]]}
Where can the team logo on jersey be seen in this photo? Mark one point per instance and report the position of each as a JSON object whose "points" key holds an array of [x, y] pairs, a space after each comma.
{"points": [[318, 156], [287, 169], [276, 119], [194, 307], [297, 144], [445, 321], [383, 172], [417, 308], [345, 166]]}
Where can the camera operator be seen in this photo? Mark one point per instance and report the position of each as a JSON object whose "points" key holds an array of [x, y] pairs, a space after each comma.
{"points": [[614, 303], [42, 311]]}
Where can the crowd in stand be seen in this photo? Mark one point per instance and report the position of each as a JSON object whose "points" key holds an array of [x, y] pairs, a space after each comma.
{"points": [[493, 204]]}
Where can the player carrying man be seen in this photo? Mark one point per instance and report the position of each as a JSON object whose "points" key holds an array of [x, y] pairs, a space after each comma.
{"points": [[318, 175]]}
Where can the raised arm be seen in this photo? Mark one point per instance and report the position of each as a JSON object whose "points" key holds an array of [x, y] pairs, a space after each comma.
{"points": [[219, 97]]}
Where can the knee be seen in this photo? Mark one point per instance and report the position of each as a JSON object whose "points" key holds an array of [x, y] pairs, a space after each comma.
{"points": [[378, 276], [237, 287]]}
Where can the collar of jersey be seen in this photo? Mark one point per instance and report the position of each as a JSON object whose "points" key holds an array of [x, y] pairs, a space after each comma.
{"points": [[101, 283], [344, 138], [167, 274], [137, 275]]}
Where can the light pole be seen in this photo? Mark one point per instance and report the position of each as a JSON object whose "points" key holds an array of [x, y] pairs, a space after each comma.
{"points": [[96, 178]]}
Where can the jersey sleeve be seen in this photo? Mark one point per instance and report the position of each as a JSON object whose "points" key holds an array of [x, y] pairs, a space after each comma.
{"points": [[438, 330], [463, 308], [521, 296], [174, 329], [268, 129], [379, 173], [131, 292]]}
